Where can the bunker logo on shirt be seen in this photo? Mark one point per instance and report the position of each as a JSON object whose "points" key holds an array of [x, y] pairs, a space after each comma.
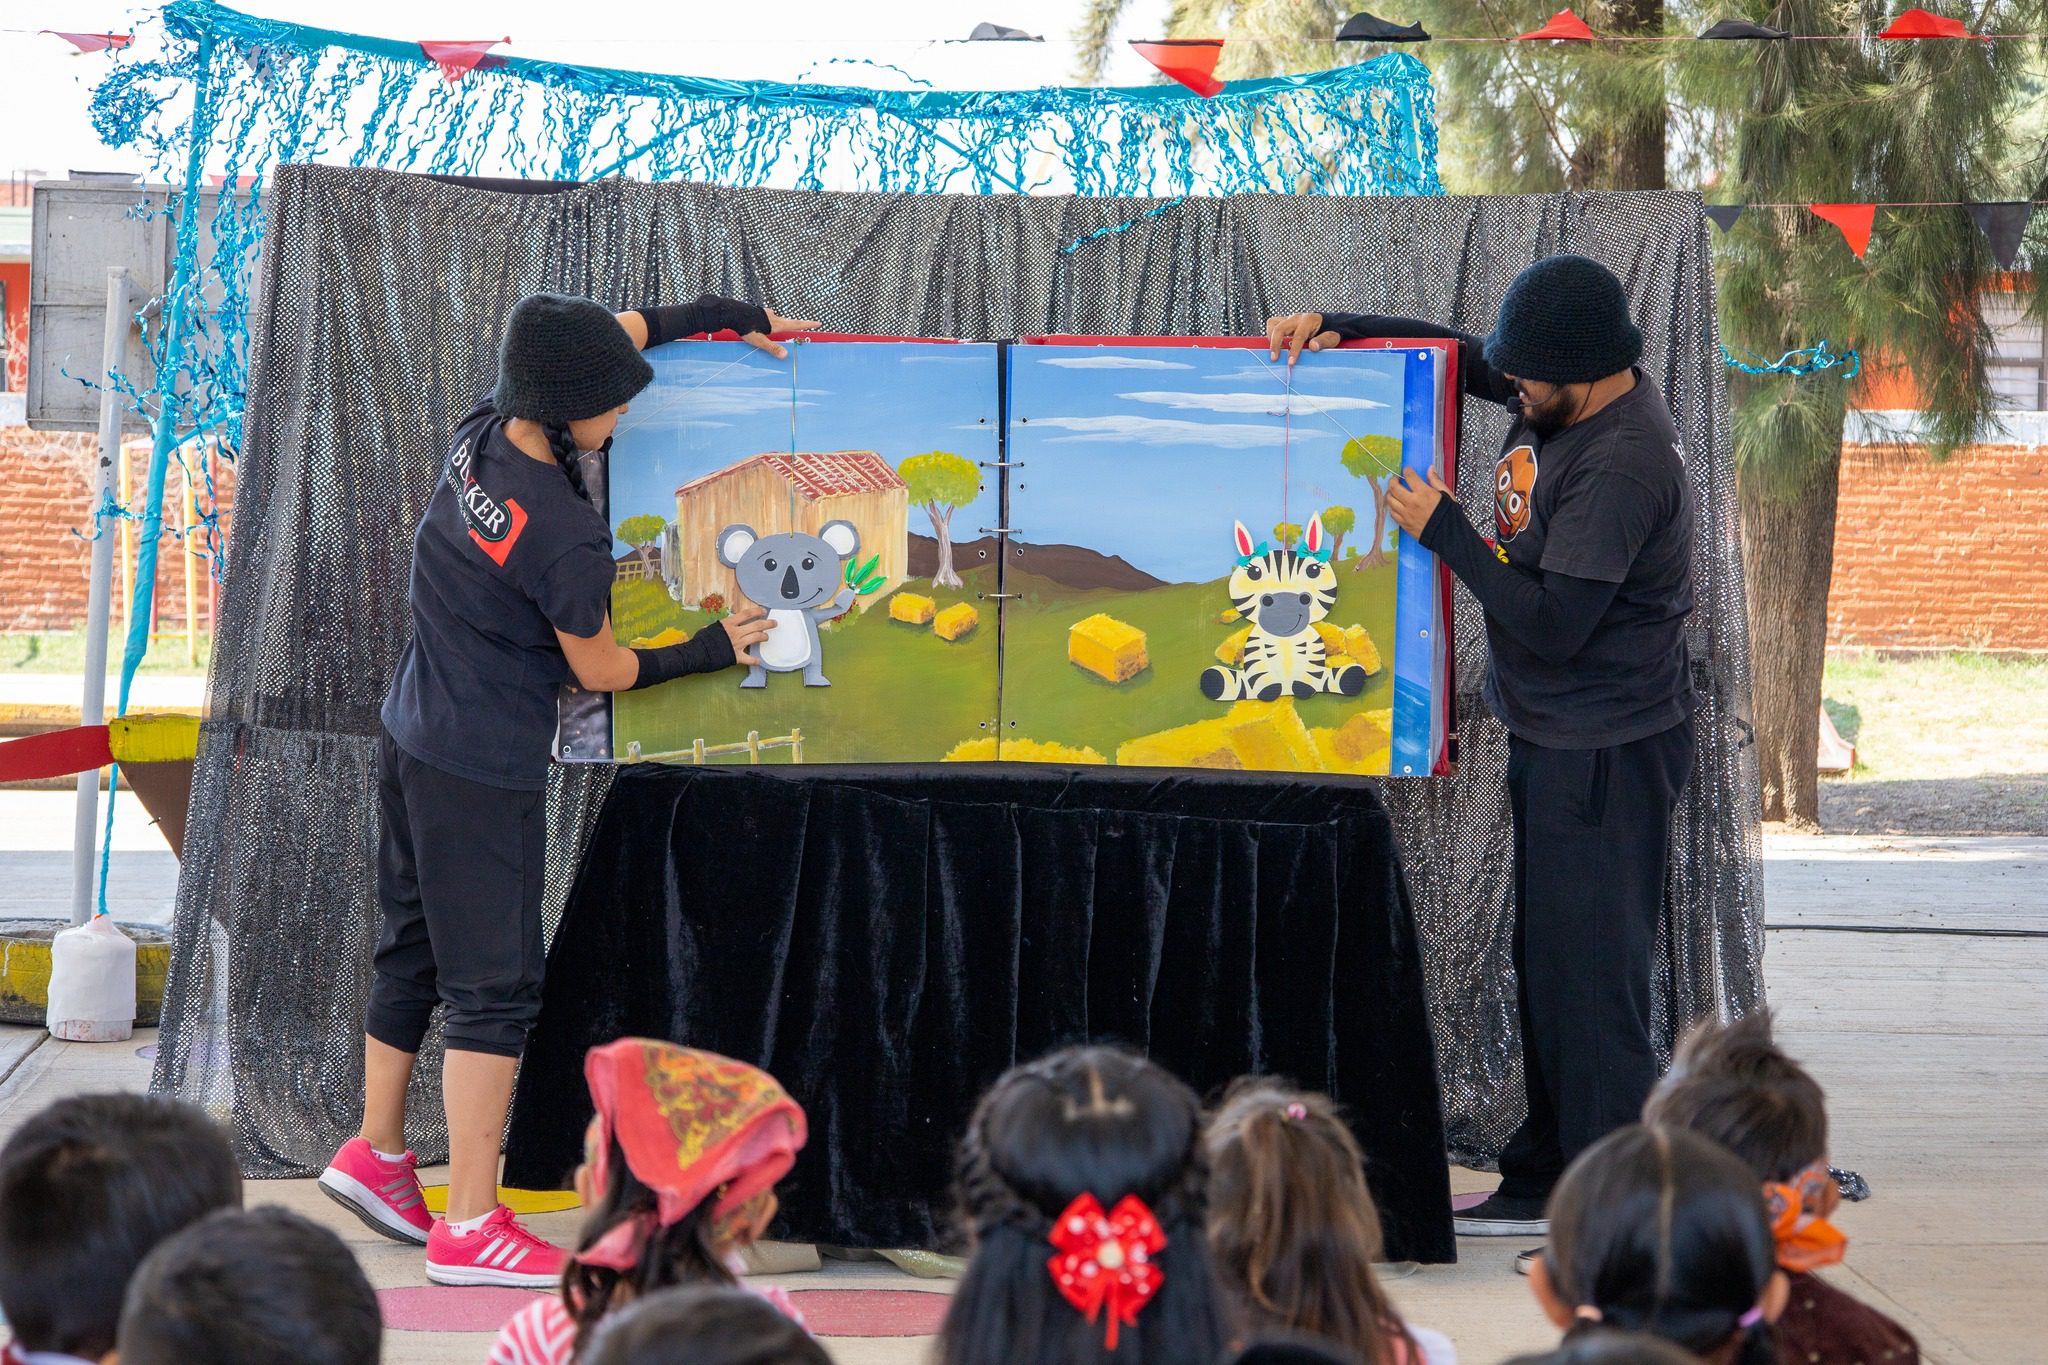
{"points": [[1514, 484], [494, 526]]}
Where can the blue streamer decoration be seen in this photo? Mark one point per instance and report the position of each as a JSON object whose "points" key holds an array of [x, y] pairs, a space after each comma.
{"points": [[1071, 247], [1800, 363]]}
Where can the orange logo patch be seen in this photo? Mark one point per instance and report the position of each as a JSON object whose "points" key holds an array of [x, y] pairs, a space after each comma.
{"points": [[1514, 484]]}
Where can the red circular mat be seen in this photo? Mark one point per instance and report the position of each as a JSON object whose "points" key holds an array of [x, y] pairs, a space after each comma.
{"points": [[871, 1312], [434, 1308], [827, 1312]]}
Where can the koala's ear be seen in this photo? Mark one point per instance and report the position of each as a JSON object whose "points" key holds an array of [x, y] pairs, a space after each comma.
{"points": [[842, 536], [733, 544]]}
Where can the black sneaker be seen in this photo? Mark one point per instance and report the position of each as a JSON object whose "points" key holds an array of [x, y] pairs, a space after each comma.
{"points": [[1500, 1215]]}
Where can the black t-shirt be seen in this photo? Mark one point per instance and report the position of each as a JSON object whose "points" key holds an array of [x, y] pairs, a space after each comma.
{"points": [[507, 554], [1604, 499]]}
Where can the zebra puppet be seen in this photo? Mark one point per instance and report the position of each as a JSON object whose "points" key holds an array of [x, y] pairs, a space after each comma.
{"points": [[1282, 593]]}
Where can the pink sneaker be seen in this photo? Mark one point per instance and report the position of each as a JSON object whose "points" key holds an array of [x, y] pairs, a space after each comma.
{"points": [[386, 1195], [501, 1252]]}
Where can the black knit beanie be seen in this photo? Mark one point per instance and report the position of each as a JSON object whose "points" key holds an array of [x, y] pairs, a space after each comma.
{"points": [[1564, 321], [564, 359]]}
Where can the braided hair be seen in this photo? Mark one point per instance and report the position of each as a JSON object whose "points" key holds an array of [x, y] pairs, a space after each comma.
{"points": [[1660, 1230], [563, 442], [1084, 1120]]}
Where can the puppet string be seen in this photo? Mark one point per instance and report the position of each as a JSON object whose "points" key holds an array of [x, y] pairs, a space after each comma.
{"points": [[1335, 420]]}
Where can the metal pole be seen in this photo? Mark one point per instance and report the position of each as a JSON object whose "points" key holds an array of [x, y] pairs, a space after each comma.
{"points": [[92, 708]]}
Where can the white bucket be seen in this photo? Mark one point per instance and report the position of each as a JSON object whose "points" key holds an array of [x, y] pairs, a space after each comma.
{"points": [[92, 983]]}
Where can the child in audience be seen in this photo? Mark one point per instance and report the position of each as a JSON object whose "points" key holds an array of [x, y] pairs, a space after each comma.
{"points": [[1732, 1084], [1083, 1181], [1292, 1348], [1293, 1227], [87, 1188], [265, 1287], [679, 1171], [702, 1325], [1660, 1230], [1606, 1347]]}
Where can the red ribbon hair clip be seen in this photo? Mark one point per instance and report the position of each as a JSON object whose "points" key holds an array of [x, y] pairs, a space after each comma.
{"points": [[1107, 1259]]}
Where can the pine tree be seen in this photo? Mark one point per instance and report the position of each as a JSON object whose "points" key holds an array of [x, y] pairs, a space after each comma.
{"points": [[1846, 122]]}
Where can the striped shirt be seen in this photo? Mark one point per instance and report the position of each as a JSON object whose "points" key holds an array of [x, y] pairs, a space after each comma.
{"points": [[543, 1333]]}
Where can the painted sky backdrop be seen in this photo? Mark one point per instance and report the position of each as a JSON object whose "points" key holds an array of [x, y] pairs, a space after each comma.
{"points": [[715, 403], [1153, 452]]}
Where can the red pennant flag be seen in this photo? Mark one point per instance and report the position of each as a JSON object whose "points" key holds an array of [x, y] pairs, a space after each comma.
{"points": [[457, 60], [1563, 24], [95, 42], [1918, 23], [1853, 219], [242, 182], [1191, 61]]}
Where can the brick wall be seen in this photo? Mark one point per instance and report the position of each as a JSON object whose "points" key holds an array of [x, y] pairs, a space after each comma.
{"points": [[1945, 554], [46, 495]]}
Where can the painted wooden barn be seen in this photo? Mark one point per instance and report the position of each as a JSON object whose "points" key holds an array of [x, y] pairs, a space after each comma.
{"points": [[800, 491]]}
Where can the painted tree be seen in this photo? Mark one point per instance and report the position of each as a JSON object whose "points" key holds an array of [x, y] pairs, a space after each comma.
{"points": [[1337, 523], [1375, 459], [1286, 533], [641, 531], [941, 483]]}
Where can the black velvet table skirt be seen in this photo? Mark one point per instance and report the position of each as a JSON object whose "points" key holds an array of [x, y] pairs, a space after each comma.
{"points": [[888, 941]]}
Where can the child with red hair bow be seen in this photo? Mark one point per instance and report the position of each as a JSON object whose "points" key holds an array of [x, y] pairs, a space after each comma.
{"points": [[679, 1172]]}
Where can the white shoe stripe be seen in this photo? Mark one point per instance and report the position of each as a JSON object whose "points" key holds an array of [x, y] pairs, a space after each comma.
{"points": [[492, 1256], [517, 1257]]}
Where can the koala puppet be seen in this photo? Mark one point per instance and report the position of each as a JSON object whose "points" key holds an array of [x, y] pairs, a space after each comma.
{"points": [[799, 580]]}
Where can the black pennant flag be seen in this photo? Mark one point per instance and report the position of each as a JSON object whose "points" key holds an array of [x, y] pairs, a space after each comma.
{"points": [[1370, 28], [1001, 33], [2003, 225], [1724, 215], [1728, 29]]}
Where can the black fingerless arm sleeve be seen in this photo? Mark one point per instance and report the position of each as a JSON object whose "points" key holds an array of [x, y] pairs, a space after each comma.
{"points": [[707, 313], [1479, 379], [1551, 614], [709, 650]]}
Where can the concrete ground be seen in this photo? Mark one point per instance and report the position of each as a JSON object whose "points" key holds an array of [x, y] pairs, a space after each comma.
{"points": [[1908, 973]]}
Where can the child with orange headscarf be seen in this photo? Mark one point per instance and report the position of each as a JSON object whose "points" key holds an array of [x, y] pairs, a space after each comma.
{"points": [[680, 1164]]}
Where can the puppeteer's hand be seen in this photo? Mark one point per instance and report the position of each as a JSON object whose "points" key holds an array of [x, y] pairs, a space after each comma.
{"points": [[764, 341], [747, 627], [1296, 331], [1412, 502]]}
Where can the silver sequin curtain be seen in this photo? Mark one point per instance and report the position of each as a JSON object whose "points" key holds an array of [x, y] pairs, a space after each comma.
{"points": [[377, 322]]}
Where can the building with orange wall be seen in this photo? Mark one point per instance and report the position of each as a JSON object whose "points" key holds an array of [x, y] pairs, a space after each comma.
{"points": [[1931, 554]]}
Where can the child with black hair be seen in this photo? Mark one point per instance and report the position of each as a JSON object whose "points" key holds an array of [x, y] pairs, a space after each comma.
{"points": [[88, 1187], [1083, 1181], [702, 1325], [1662, 1231], [265, 1287], [1293, 1227], [679, 1170], [1607, 1347], [1731, 1083]]}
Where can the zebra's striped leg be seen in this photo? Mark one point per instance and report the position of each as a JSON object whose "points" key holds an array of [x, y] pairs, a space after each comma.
{"points": [[1347, 681], [1222, 684]]}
